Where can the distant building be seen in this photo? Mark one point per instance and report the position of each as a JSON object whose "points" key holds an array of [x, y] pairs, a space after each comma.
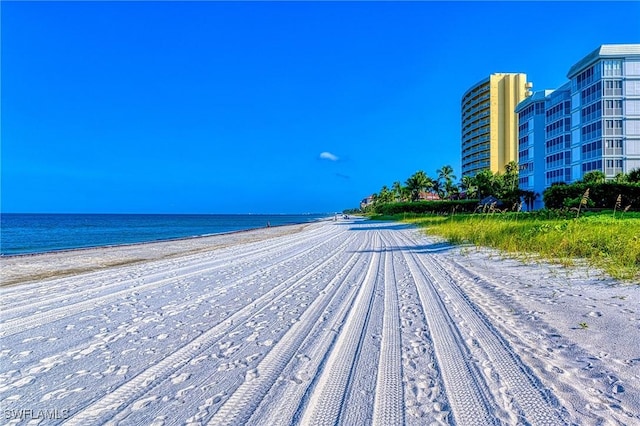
{"points": [[490, 124], [428, 196], [366, 202]]}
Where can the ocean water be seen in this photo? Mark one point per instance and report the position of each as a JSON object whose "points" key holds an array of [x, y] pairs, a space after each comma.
{"points": [[39, 233]]}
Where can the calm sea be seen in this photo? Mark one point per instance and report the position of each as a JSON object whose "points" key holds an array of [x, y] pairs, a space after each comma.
{"points": [[38, 233]]}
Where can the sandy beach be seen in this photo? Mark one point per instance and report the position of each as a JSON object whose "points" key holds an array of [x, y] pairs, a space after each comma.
{"points": [[351, 322]]}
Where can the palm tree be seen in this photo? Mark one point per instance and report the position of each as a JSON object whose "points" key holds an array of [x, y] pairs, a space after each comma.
{"points": [[511, 173], [487, 183], [417, 183], [446, 174], [385, 196], [438, 188], [398, 191], [634, 176], [594, 176], [451, 189], [468, 184]]}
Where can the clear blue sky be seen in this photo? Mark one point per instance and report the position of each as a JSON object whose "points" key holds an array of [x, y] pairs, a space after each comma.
{"points": [[216, 107]]}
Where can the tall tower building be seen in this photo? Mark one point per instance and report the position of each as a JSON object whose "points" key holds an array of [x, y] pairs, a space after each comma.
{"points": [[490, 124]]}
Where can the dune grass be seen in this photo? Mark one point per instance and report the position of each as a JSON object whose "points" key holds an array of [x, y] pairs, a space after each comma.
{"points": [[606, 240]]}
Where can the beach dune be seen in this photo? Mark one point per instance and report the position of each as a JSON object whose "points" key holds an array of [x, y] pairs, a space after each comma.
{"points": [[350, 322]]}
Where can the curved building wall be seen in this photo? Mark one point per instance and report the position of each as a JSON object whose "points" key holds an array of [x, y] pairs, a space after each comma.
{"points": [[476, 110], [490, 124]]}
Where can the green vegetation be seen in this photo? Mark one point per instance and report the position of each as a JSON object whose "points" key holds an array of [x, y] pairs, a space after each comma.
{"points": [[593, 220], [602, 240], [420, 186]]}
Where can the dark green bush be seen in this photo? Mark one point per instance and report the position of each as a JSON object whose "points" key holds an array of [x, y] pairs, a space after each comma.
{"points": [[603, 195], [434, 207]]}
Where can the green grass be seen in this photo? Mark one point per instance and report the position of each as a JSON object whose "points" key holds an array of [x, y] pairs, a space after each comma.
{"points": [[609, 243]]}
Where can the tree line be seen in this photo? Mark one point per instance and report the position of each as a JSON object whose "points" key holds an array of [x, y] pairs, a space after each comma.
{"points": [[503, 186]]}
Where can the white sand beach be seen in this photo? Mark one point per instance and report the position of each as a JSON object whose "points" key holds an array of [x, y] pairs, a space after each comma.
{"points": [[350, 322]]}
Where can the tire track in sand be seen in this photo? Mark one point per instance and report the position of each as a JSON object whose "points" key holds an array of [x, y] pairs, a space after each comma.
{"points": [[21, 324], [467, 393], [150, 271], [529, 401], [389, 402], [328, 396], [241, 405], [144, 382]]}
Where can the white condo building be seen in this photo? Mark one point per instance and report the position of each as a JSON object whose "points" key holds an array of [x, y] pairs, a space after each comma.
{"points": [[590, 123], [605, 111], [531, 145]]}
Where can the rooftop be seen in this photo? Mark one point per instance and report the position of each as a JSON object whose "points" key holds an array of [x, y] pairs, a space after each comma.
{"points": [[537, 96], [605, 51]]}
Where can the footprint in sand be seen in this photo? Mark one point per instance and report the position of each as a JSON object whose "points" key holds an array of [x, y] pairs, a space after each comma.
{"points": [[176, 379], [18, 384], [144, 403], [182, 392], [60, 393], [158, 421], [251, 375], [253, 357]]}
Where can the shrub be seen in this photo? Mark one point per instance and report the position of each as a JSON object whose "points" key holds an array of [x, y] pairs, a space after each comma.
{"points": [[421, 207], [602, 195]]}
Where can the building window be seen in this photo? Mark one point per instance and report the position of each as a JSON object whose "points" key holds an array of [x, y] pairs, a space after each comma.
{"points": [[613, 147], [612, 127], [555, 160], [591, 165], [584, 78], [612, 167], [553, 176], [526, 113], [613, 107], [592, 93], [558, 111], [592, 131], [591, 112], [611, 67], [613, 87], [592, 150]]}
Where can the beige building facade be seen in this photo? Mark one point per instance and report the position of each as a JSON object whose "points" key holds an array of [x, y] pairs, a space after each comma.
{"points": [[490, 124]]}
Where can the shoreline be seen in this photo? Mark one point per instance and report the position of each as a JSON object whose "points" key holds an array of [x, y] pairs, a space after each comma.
{"points": [[169, 239], [162, 240], [31, 267]]}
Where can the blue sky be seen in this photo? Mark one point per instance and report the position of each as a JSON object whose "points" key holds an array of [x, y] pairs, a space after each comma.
{"points": [[217, 107]]}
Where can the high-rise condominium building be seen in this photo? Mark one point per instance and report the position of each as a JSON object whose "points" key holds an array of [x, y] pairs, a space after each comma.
{"points": [[531, 145], [592, 122], [490, 124], [605, 111]]}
